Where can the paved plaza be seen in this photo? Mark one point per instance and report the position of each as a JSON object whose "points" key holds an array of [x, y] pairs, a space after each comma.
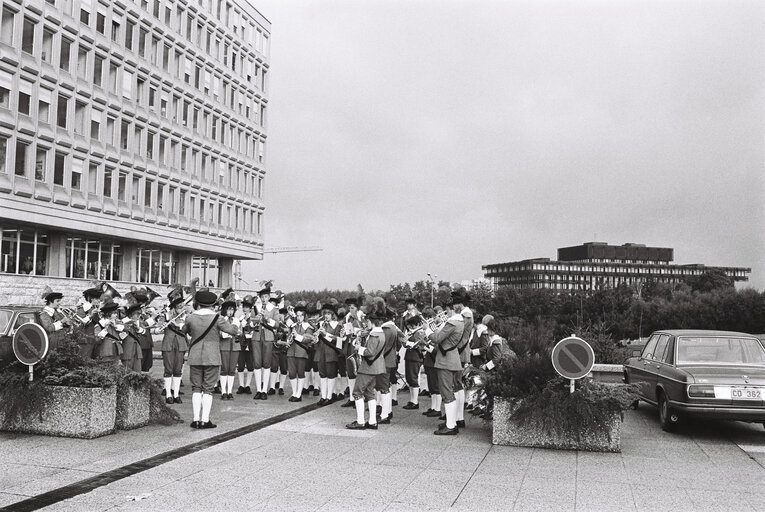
{"points": [[311, 462]]}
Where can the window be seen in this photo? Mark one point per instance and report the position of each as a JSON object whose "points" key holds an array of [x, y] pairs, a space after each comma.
{"points": [[115, 30], [129, 26], [172, 199], [82, 62], [124, 131], [41, 163], [162, 202], [134, 190], [152, 96], [3, 154], [80, 107], [58, 168], [110, 121], [122, 185], [76, 181], [100, 22], [21, 158], [155, 10], [168, 14], [108, 174], [150, 145], [155, 266], [47, 46], [98, 68], [192, 207], [23, 251], [28, 36], [182, 203], [127, 84], [61, 110], [113, 68], [64, 54], [143, 36], [9, 18], [93, 259], [147, 193], [85, 12], [95, 124], [93, 178], [24, 102]]}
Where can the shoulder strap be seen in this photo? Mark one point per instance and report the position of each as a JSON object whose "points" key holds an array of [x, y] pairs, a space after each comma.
{"points": [[375, 358], [209, 327]]}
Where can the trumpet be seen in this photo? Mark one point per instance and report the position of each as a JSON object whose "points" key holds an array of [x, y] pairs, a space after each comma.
{"points": [[71, 315], [180, 316]]}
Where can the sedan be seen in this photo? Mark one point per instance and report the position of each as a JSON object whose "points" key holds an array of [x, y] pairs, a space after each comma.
{"points": [[11, 318], [710, 374]]}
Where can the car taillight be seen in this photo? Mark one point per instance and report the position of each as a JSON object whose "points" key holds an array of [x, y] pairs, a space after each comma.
{"points": [[701, 391]]}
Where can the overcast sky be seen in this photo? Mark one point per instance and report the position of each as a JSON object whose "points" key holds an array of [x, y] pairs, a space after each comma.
{"points": [[407, 137]]}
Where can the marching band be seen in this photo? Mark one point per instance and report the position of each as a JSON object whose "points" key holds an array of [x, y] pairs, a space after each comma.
{"points": [[271, 341]]}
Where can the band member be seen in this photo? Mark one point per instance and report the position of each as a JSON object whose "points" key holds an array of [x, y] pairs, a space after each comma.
{"points": [[448, 365], [279, 355], [431, 374], [204, 326], [371, 366], [131, 345], [495, 351], [464, 351], [174, 346], [87, 315], [313, 316], [53, 320], [298, 352], [351, 329], [341, 384], [109, 333], [269, 319], [229, 351], [393, 341], [249, 328], [415, 339], [328, 350], [146, 341]]}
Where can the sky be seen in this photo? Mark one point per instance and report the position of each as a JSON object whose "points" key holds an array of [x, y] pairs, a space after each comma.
{"points": [[414, 137]]}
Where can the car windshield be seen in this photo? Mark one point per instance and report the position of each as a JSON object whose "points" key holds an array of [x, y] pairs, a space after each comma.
{"points": [[5, 318], [719, 350]]}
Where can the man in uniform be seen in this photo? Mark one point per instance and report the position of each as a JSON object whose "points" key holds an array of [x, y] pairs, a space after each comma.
{"points": [[131, 345], [87, 315], [448, 363], [371, 366], [393, 341], [495, 351], [413, 355], [245, 363], [464, 350], [174, 346], [269, 319], [53, 320], [204, 327], [351, 328]]}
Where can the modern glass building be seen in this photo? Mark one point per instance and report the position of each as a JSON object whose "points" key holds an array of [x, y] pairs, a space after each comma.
{"points": [[596, 265], [132, 138]]}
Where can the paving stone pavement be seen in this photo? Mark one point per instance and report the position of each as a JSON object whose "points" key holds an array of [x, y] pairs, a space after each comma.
{"points": [[312, 463]]}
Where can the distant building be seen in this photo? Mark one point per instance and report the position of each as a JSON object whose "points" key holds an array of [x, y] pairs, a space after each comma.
{"points": [[596, 265], [132, 139]]}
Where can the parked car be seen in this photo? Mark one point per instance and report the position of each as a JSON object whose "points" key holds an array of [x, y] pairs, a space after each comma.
{"points": [[11, 318], [710, 374]]}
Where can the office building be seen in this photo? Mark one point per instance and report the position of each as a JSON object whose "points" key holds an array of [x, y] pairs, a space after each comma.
{"points": [[132, 138], [595, 265]]}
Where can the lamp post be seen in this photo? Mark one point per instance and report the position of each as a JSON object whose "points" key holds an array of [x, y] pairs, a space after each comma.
{"points": [[432, 286]]}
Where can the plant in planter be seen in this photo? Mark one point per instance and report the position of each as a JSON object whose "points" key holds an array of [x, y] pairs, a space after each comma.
{"points": [[76, 397], [534, 407]]}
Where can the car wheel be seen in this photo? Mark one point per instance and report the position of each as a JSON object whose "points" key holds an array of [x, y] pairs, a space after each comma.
{"points": [[668, 418]]}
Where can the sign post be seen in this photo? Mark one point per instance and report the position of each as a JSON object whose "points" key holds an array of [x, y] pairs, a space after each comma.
{"points": [[30, 345], [572, 358]]}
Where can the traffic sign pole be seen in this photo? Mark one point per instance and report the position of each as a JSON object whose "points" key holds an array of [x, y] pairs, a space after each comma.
{"points": [[571, 385], [31, 372]]}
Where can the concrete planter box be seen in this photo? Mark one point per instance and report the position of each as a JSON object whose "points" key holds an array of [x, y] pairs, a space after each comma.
{"points": [[132, 407], [508, 433], [67, 412]]}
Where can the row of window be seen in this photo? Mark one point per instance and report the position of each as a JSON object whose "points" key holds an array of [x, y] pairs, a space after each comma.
{"points": [[133, 136], [107, 181], [111, 75]]}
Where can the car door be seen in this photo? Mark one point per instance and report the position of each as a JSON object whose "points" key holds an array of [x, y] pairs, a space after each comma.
{"points": [[642, 371], [657, 364]]}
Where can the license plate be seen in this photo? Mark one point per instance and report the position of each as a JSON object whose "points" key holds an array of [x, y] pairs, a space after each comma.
{"points": [[746, 393]]}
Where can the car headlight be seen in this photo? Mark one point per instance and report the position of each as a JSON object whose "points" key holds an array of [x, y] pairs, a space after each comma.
{"points": [[701, 391]]}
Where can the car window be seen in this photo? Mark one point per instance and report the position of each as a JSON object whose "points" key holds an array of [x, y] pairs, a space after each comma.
{"points": [[648, 350], [661, 347], [24, 318], [719, 350], [669, 354], [5, 318]]}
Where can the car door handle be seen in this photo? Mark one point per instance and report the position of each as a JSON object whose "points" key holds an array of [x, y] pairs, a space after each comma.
{"points": [[658, 366]]}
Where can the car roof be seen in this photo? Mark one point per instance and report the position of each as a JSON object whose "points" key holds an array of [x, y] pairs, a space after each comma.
{"points": [[703, 332], [22, 308]]}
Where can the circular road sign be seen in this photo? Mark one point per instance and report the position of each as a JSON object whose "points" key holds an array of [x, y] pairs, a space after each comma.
{"points": [[30, 343], [573, 357]]}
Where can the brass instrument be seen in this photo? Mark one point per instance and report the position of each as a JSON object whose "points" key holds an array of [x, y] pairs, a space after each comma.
{"points": [[180, 316], [71, 315]]}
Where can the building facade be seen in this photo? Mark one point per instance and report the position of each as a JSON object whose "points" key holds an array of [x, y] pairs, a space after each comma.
{"points": [[595, 265], [132, 138]]}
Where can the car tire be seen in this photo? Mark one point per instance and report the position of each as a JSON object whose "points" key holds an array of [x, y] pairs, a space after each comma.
{"points": [[669, 419]]}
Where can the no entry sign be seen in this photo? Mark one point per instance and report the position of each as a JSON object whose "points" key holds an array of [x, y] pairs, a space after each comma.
{"points": [[573, 357], [30, 343]]}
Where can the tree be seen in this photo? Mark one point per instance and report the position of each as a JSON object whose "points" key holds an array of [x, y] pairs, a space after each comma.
{"points": [[710, 279]]}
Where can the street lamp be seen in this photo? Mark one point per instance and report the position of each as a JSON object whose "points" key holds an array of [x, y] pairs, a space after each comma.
{"points": [[432, 286]]}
